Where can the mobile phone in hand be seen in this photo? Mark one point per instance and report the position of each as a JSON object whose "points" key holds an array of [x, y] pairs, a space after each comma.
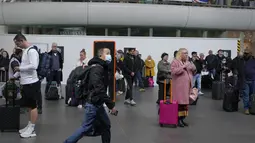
{"points": [[115, 113]]}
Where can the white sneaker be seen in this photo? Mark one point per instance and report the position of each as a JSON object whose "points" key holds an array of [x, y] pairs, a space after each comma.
{"points": [[200, 93], [132, 102], [69, 100], [127, 101], [23, 130], [79, 106], [30, 132]]}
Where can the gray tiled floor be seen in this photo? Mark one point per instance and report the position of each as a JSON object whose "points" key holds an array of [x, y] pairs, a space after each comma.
{"points": [[208, 124]]}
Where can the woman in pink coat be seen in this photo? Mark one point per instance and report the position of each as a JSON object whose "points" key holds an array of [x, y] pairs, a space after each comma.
{"points": [[182, 73]]}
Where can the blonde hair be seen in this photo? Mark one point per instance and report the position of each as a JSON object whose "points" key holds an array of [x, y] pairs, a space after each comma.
{"points": [[178, 55]]}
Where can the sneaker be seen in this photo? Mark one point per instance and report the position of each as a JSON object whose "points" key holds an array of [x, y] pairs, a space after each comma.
{"points": [[69, 101], [79, 106], [127, 101], [132, 102], [247, 112], [200, 93], [23, 130], [120, 92], [141, 89], [30, 132]]}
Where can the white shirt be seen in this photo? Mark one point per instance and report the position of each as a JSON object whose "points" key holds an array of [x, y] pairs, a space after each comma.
{"points": [[81, 63], [28, 66]]}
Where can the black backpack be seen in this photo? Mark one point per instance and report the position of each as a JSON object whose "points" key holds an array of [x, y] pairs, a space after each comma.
{"points": [[44, 67], [82, 83]]}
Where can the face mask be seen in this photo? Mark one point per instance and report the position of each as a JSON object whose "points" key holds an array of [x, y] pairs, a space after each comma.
{"points": [[108, 58]]}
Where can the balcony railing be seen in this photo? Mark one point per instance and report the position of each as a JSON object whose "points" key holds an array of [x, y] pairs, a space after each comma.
{"points": [[238, 4]]}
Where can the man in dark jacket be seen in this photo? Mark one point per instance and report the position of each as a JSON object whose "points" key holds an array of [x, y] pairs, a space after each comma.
{"points": [[56, 69], [199, 66], [94, 110], [129, 73], [249, 79], [139, 64], [221, 65], [211, 63]]}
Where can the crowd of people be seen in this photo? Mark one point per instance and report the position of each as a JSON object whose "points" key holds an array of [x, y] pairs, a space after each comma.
{"points": [[183, 72]]}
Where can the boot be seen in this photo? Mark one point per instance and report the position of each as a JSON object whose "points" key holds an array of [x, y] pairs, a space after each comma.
{"points": [[184, 123], [180, 124]]}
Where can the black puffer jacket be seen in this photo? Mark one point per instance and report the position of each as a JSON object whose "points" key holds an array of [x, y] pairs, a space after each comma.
{"points": [[98, 82], [128, 65]]}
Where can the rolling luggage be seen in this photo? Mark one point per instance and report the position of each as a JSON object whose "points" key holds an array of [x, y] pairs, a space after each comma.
{"points": [[206, 81], [217, 90], [52, 93], [10, 114], [252, 108], [168, 110], [231, 96]]}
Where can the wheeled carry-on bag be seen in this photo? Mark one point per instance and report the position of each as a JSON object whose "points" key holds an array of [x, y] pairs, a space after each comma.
{"points": [[218, 90], [168, 109], [10, 114], [231, 96], [52, 93]]}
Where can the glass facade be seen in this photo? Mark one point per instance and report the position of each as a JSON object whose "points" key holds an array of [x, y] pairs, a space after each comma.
{"points": [[191, 33], [116, 31], [164, 32]]}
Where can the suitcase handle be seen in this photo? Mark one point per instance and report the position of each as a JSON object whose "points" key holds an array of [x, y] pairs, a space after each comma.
{"points": [[170, 92]]}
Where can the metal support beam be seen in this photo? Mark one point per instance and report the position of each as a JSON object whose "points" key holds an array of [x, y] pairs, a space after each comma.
{"points": [[178, 33], [241, 37], [151, 32]]}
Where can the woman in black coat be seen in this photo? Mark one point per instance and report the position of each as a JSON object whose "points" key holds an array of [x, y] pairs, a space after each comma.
{"points": [[4, 66]]}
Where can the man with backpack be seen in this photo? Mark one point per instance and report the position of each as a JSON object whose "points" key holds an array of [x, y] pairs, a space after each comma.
{"points": [[96, 80], [29, 81]]}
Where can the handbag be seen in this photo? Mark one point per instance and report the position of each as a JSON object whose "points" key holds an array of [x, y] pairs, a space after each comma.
{"points": [[193, 96]]}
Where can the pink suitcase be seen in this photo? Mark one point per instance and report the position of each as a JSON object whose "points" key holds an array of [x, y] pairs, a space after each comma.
{"points": [[168, 110]]}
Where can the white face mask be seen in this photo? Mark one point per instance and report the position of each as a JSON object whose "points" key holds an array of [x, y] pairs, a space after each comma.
{"points": [[108, 58]]}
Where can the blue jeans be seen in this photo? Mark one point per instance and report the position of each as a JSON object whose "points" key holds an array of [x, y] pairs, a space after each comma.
{"points": [[92, 113], [249, 89], [138, 76], [197, 78]]}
